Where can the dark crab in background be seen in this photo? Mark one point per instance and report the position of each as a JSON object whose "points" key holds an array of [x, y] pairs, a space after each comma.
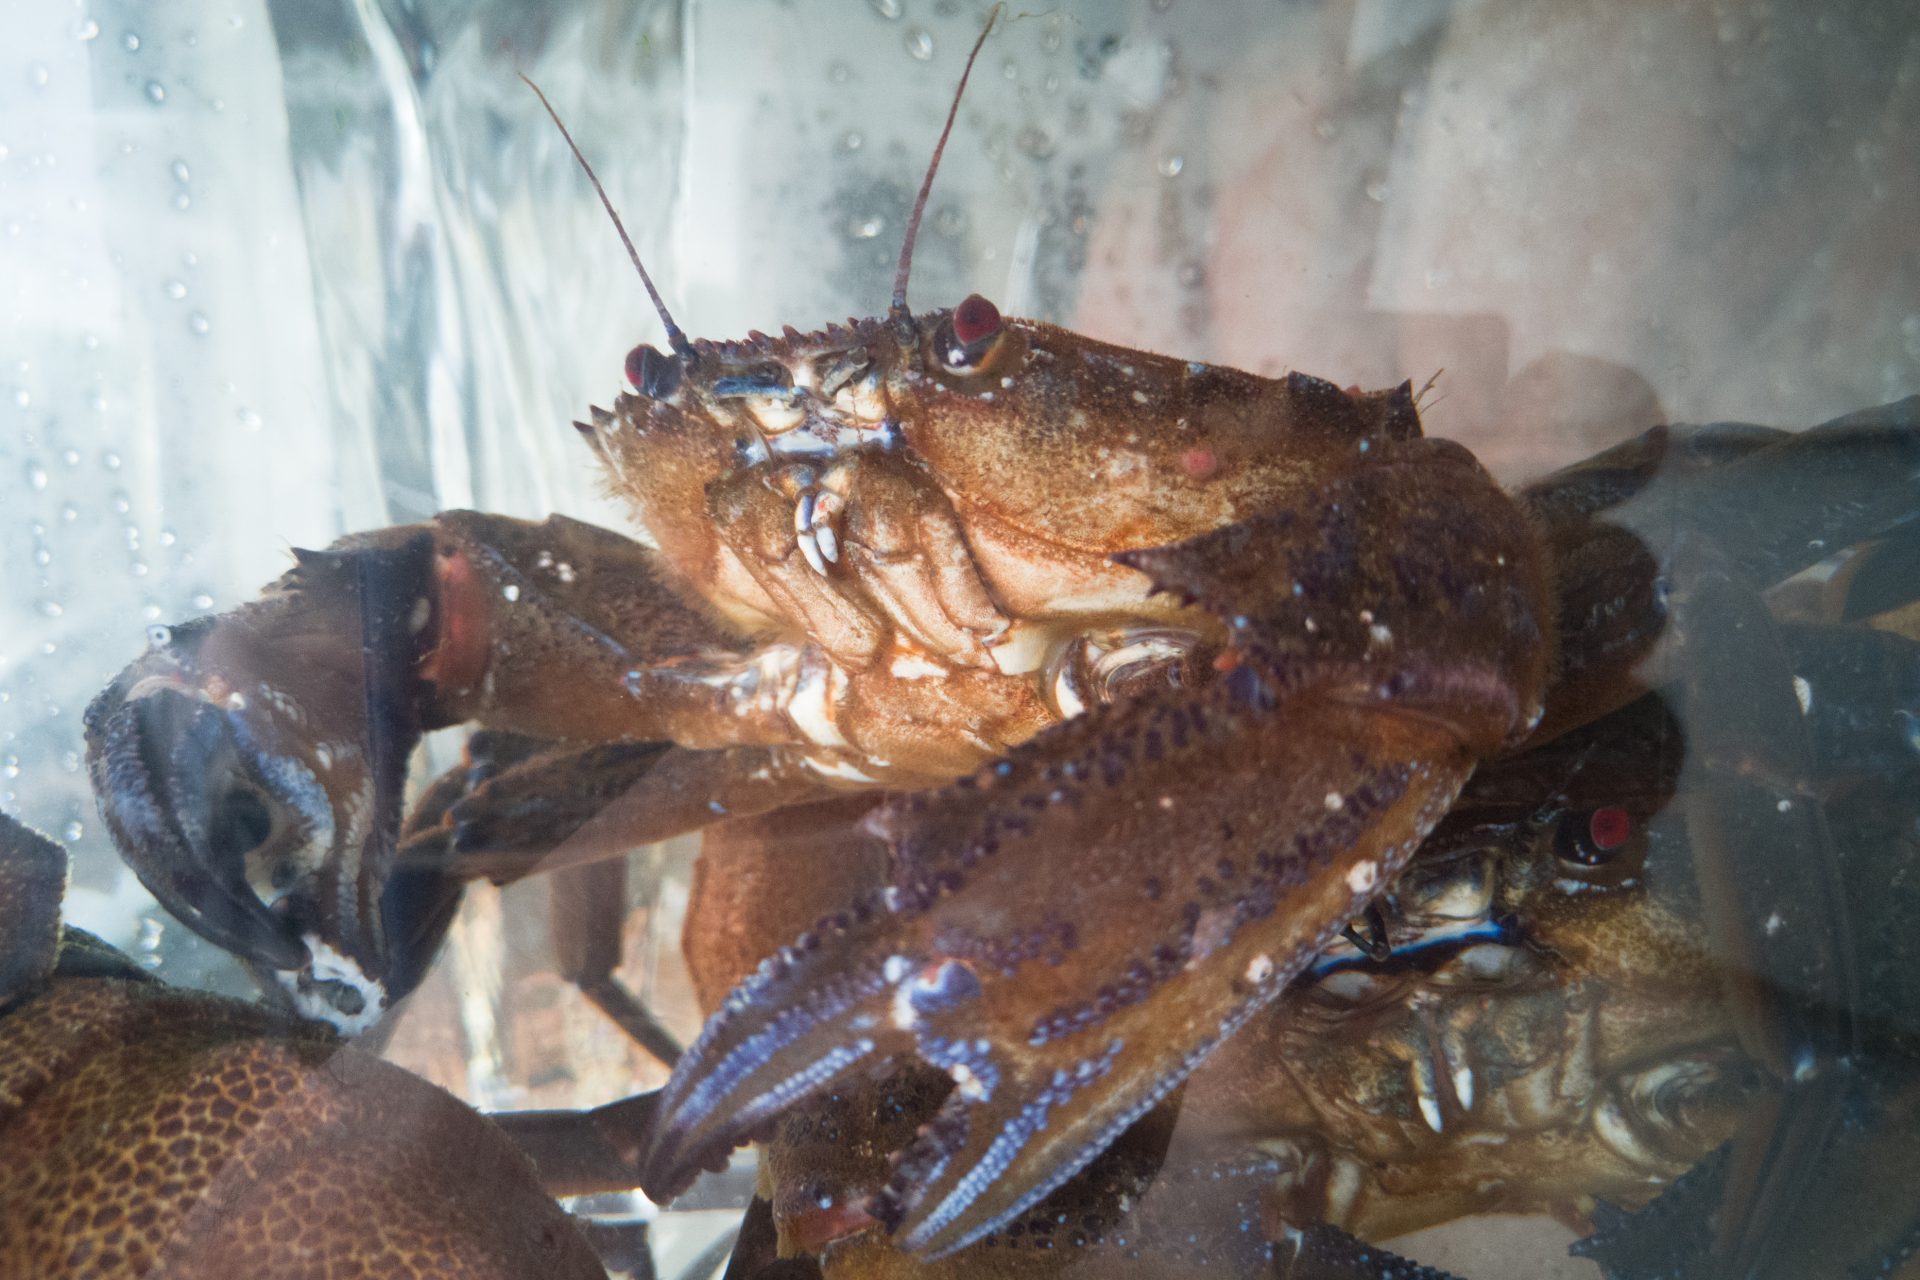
{"points": [[1161, 671]]}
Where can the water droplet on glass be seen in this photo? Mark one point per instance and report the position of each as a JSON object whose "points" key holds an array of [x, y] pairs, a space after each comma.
{"points": [[120, 502], [42, 557], [12, 767], [182, 201], [38, 75], [86, 29], [69, 513], [852, 140], [1170, 166], [1035, 141], [73, 831], [919, 43], [152, 930], [168, 537], [866, 228], [838, 72], [138, 568], [50, 609], [70, 456], [181, 173], [198, 322], [249, 419], [888, 9], [110, 460], [176, 289], [36, 477], [156, 92], [1191, 273], [131, 41], [22, 397], [203, 601]]}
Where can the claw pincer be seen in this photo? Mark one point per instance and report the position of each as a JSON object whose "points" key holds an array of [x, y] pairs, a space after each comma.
{"points": [[1235, 827]]}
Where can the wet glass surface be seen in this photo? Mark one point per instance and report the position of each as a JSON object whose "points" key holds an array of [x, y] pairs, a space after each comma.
{"points": [[277, 273]]}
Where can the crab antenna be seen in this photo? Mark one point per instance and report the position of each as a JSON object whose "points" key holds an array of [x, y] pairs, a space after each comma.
{"points": [[675, 339], [899, 308]]}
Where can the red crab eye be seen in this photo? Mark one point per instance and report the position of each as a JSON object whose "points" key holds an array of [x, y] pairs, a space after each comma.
{"points": [[975, 320], [1609, 828], [1596, 841], [969, 334], [652, 374]]}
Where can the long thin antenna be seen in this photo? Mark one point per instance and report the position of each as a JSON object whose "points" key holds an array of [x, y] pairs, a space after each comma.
{"points": [[898, 310], [675, 339]]}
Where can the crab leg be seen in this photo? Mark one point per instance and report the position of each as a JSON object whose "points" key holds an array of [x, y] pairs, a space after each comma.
{"points": [[1237, 827]]}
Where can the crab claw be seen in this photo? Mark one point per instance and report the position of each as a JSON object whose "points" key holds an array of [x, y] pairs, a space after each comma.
{"points": [[1069, 932], [250, 769]]}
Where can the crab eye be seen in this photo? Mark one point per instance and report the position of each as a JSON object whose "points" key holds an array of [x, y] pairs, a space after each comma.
{"points": [[652, 374], [1589, 839], [970, 332]]}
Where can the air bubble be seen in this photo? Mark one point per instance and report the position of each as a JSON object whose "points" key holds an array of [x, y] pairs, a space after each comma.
{"points": [[86, 29], [919, 44], [888, 9], [73, 831], [198, 322], [852, 140], [156, 92], [866, 228], [1171, 165], [176, 289], [181, 174], [22, 397], [70, 456], [36, 477], [38, 75], [110, 460], [249, 419], [130, 42], [203, 601], [50, 609]]}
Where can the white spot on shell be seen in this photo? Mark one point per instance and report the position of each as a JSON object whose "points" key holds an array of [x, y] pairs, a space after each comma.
{"points": [[1804, 692], [1259, 969], [1362, 877], [1335, 802]]}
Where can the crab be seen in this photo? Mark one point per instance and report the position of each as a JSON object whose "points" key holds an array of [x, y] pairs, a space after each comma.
{"points": [[1164, 671], [150, 1129]]}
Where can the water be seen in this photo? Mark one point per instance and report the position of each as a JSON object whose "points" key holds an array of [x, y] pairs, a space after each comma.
{"points": [[276, 272]]}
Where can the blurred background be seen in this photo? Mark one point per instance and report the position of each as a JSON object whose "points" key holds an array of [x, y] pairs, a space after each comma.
{"points": [[271, 272]]}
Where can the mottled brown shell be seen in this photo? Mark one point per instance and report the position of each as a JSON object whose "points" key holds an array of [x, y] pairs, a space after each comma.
{"points": [[149, 1132]]}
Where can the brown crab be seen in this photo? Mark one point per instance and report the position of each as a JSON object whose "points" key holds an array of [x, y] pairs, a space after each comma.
{"points": [[1125, 638], [151, 1130]]}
